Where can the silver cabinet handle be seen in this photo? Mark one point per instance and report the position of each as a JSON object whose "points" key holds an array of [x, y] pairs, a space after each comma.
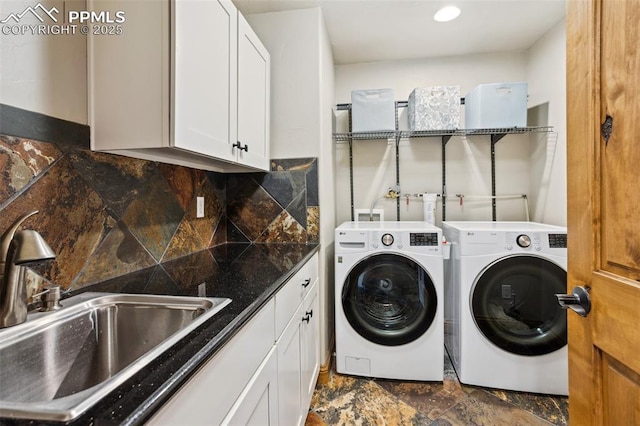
{"points": [[579, 301]]}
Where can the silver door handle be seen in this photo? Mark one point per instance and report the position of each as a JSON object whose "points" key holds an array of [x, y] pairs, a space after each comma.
{"points": [[579, 301]]}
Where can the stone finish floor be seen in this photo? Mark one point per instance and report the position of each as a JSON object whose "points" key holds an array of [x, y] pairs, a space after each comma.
{"points": [[351, 400]]}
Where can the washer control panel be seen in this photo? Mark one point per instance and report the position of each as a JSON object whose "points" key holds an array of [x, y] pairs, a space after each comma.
{"points": [[423, 239], [407, 241], [558, 240]]}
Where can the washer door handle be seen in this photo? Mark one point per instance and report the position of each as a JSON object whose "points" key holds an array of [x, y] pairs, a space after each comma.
{"points": [[579, 301]]}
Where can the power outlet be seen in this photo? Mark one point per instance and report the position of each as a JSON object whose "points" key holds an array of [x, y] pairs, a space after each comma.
{"points": [[199, 207], [202, 290]]}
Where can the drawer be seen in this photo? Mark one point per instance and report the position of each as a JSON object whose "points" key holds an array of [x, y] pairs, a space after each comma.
{"points": [[293, 292]]}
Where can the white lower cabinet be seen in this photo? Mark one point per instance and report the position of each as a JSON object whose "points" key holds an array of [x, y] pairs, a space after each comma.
{"points": [[267, 373], [310, 347], [299, 360], [212, 392], [289, 383], [258, 403]]}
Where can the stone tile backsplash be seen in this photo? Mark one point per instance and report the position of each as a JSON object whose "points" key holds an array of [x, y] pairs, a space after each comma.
{"points": [[107, 216]]}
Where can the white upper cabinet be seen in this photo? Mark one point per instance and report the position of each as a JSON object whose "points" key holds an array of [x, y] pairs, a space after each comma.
{"points": [[205, 60], [253, 98], [169, 87]]}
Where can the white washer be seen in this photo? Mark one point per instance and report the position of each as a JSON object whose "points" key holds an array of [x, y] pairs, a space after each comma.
{"points": [[389, 300], [504, 327]]}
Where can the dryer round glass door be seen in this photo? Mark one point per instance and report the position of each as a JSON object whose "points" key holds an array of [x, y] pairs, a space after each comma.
{"points": [[389, 299], [513, 303]]}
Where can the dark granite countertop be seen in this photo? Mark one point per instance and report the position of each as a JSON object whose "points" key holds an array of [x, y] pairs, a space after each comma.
{"points": [[249, 274]]}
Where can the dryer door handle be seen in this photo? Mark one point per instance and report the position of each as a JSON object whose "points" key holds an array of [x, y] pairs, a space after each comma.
{"points": [[579, 301]]}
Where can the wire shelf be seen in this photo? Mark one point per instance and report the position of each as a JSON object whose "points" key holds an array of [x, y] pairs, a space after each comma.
{"points": [[410, 134], [508, 130], [364, 136]]}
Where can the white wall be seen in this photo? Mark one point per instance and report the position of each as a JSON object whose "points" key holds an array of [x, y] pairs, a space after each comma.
{"points": [[292, 39], [546, 74], [326, 187], [468, 159], [302, 98], [44, 73]]}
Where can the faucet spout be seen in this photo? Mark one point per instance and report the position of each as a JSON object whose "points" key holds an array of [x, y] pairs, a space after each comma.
{"points": [[18, 248]]}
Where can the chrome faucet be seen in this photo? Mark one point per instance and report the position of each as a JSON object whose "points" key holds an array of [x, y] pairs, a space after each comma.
{"points": [[18, 248]]}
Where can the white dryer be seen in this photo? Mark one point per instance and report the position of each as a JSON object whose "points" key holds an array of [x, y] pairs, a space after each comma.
{"points": [[388, 300], [505, 328]]}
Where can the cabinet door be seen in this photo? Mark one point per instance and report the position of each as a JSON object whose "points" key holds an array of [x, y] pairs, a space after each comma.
{"points": [[214, 389], [289, 297], [204, 78], [258, 403], [310, 346], [289, 381], [128, 77], [253, 98]]}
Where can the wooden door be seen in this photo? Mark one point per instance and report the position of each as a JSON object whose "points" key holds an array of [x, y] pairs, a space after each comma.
{"points": [[603, 79]]}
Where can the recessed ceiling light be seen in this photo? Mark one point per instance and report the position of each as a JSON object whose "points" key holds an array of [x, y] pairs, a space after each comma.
{"points": [[446, 14]]}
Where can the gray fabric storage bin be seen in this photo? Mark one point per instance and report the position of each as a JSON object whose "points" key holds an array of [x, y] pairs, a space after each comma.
{"points": [[434, 108], [496, 105], [373, 110]]}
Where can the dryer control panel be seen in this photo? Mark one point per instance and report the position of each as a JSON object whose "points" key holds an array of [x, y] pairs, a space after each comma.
{"points": [[423, 239]]}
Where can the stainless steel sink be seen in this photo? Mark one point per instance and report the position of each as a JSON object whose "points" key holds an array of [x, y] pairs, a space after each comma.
{"points": [[56, 365]]}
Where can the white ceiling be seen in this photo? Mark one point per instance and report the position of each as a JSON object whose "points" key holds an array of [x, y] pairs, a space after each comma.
{"points": [[380, 30]]}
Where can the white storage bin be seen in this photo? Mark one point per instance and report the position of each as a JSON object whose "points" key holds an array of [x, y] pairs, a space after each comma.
{"points": [[434, 108], [373, 110], [496, 105]]}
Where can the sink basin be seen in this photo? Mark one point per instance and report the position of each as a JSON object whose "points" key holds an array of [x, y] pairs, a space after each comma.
{"points": [[58, 364]]}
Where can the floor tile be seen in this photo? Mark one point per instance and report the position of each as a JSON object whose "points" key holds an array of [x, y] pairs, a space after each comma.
{"points": [[482, 408], [338, 385], [353, 400], [552, 408], [369, 404], [432, 399]]}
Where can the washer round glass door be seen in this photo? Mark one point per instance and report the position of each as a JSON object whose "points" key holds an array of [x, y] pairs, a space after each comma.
{"points": [[389, 299], [514, 305]]}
